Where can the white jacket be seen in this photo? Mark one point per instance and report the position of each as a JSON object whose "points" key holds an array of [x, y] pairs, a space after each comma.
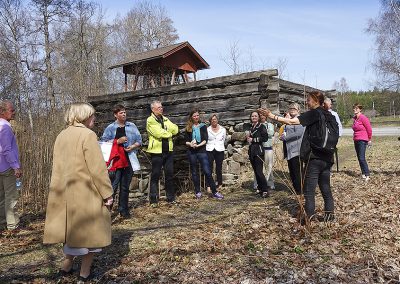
{"points": [[216, 141]]}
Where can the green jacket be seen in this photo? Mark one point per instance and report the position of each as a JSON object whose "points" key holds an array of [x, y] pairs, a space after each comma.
{"points": [[156, 133]]}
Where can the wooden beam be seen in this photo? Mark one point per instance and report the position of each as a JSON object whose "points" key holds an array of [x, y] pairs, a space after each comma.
{"points": [[126, 82], [186, 77], [173, 77], [135, 82], [183, 78], [194, 76], [162, 81]]}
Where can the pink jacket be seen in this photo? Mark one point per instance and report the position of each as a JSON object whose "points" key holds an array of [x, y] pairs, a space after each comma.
{"points": [[362, 128]]}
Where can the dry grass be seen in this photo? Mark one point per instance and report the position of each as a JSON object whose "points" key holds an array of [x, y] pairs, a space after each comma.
{"points": [[244, 239]]}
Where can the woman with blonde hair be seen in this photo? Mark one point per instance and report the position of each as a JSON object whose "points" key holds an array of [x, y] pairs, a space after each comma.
{"points": [[196, 138], [80, 193]]}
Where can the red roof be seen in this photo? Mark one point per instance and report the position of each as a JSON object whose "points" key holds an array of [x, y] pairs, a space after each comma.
{"points": [[163, 52]]}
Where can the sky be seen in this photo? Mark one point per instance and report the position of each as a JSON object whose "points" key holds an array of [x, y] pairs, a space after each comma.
{"points": [[321, 40]]}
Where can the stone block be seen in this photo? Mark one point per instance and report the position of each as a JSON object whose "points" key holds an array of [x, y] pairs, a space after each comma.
{"points": [[234, 167], [134, 183], [238, 144], [239, 127], [229, 149], [228, 177], [225, 168], [144, 185], [240, 158], [239, 136]]}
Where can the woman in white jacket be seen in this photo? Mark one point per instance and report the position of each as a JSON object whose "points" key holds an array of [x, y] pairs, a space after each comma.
{"points": [[216, 146]]}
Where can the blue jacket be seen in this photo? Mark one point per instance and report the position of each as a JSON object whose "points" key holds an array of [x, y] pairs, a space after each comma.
{"points": [[133, 135]]}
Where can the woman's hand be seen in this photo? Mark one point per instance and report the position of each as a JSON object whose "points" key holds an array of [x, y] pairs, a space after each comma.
{"points": [[130, 148], [109, 202], [264, 111], [122, 140]]}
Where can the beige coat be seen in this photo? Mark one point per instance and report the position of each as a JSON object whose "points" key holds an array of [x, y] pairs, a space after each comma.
{"points": [[76, 214]]}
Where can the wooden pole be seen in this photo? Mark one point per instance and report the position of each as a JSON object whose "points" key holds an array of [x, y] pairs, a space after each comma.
{"points": [[173, 77], [126, 82], [162, 81]]}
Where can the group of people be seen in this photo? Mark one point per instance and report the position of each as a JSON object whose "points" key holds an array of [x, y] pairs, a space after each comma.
{"points": [[83, 186]]}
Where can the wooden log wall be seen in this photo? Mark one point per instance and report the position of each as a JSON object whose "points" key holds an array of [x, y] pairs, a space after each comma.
{"points": [[233, 98]]}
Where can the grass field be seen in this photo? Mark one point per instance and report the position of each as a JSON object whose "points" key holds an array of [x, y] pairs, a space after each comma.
{"points": [[379, 121]]}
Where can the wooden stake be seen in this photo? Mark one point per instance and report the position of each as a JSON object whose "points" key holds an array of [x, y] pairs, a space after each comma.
{"points": [[173, 78]]}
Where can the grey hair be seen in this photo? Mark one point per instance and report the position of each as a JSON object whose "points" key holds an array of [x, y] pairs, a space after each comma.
{"points": [[327, 100], [4, 105], [294, 105], [153, 103]]}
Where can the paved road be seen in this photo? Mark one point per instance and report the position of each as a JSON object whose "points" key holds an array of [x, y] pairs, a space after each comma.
{"points": [[377, 131]]}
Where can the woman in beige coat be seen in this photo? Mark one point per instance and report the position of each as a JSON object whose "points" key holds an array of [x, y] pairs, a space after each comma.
{"points": [[80, 191]]}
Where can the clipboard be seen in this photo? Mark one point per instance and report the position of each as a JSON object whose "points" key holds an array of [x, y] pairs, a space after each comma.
{"points": [[105, 149]]}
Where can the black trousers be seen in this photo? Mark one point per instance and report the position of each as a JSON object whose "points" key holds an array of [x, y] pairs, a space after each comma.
{"points": [[296, 173], [218, 157], [318, 172], [257, 162], [165, 161]]}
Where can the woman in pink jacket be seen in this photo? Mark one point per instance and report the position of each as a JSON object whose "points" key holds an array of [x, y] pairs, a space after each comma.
{"points": [[362, 138]]}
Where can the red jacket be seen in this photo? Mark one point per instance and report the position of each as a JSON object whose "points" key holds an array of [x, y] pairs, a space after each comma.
{"points": [[118, 159]]}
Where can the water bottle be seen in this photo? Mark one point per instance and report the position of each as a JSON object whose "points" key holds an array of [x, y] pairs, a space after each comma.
{"points": [[18, 184]]}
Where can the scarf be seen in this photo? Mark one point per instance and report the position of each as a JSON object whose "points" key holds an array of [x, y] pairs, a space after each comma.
{"points": [[196, 132]]}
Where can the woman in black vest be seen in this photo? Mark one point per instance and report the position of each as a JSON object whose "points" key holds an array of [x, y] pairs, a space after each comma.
{"points": [[256, 136], [317, 163]]}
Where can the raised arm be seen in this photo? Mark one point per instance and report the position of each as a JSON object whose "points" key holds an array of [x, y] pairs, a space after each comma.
{"points": [[268, 113]]}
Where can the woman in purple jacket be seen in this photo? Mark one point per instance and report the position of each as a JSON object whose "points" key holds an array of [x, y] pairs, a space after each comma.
{"points": [[362, 138]]}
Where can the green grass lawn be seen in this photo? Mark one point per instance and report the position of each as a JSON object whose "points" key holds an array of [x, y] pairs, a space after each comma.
{"points": [[379, 121]]}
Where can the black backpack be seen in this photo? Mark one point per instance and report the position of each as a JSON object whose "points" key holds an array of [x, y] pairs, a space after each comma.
{"points": [[322, 136]]}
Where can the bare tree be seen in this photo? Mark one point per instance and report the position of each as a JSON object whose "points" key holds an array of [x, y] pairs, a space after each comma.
{"points": [[233, 57], [342, 87], [146, 26], [281, 64], [82, 48], [48, 12], [386, 29]]}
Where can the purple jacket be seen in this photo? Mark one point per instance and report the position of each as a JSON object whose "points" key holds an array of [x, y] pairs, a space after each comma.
{"points": [[8, 147], [362, 128]]}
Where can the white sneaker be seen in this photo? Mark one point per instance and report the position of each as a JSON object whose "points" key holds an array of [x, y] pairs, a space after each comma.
{"points": [[364, 176], [367, 178]]}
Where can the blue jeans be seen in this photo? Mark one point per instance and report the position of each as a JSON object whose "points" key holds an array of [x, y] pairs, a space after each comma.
{"points": [[205, 165], [318, 172], [123, 178], [361, 146]]}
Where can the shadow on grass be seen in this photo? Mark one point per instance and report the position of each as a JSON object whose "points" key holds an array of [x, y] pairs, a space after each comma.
{"points": [[45, 270]]}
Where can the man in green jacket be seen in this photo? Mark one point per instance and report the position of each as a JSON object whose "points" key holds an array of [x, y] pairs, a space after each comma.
{"points": [[160, 131]]}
